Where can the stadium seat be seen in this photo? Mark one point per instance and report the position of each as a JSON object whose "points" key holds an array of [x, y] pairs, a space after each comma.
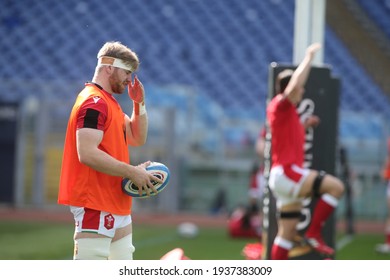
{"points": [[219, 48]]}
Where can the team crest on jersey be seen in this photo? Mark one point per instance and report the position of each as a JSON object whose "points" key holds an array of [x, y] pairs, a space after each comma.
{"points": [[109, 221]]}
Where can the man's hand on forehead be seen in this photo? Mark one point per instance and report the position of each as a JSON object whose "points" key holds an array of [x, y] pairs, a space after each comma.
{"points": [[136, 91]]}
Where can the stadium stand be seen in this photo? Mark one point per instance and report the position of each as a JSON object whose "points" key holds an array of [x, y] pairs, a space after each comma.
{"points": [[379, 12], [220, 48]]}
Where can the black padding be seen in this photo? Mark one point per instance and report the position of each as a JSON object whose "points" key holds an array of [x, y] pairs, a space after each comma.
{"points": [[317, 183], [91, 118], [290, 215]]}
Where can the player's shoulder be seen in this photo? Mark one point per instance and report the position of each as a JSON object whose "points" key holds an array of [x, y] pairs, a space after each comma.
{"points": [[94, 101], [279, 100]]}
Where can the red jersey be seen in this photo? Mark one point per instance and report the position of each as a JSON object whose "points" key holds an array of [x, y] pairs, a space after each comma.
{"points": [[288, 134]]}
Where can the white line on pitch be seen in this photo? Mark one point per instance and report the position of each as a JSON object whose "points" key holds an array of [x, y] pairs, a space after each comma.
{"points": [[344, 241]]}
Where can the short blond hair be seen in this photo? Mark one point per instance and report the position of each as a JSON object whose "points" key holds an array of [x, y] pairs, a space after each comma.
{"points": [[116, 49]]}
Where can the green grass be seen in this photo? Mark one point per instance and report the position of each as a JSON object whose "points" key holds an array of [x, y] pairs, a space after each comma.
{"points": [[35, 241], [50, 241], [210, 244], [362, 248]]}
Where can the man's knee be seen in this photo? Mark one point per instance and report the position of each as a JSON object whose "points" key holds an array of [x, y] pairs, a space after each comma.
{"points": [[122, 249], [325, 183], [288, 221], [336, 187], [91, 248]]}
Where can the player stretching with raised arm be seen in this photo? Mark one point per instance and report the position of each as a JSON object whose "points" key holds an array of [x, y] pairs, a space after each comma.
{"points": [[288, 180]]}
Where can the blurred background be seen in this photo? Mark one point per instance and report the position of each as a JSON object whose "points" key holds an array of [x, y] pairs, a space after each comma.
{"points": [[204, 65]]}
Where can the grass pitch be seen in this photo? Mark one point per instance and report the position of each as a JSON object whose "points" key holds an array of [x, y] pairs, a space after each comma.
{"points": [[53, 241]]}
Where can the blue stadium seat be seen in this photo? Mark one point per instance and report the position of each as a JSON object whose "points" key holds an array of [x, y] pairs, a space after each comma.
{"points": [[221, 48], [379, 12]]}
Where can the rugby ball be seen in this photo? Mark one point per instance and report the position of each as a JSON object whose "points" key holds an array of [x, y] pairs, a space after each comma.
{"points": [[156, 169]]}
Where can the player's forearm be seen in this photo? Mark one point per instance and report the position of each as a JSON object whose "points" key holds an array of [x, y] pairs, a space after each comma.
{"points": [[303, 69], [103, 162], [138, 130], [302, 72]]}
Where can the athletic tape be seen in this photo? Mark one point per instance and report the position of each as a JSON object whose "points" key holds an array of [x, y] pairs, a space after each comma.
{"points": [[116, 62], [139, 108]]}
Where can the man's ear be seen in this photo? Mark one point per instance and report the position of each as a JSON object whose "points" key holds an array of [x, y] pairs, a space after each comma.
{"points": [[109, 69]]}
